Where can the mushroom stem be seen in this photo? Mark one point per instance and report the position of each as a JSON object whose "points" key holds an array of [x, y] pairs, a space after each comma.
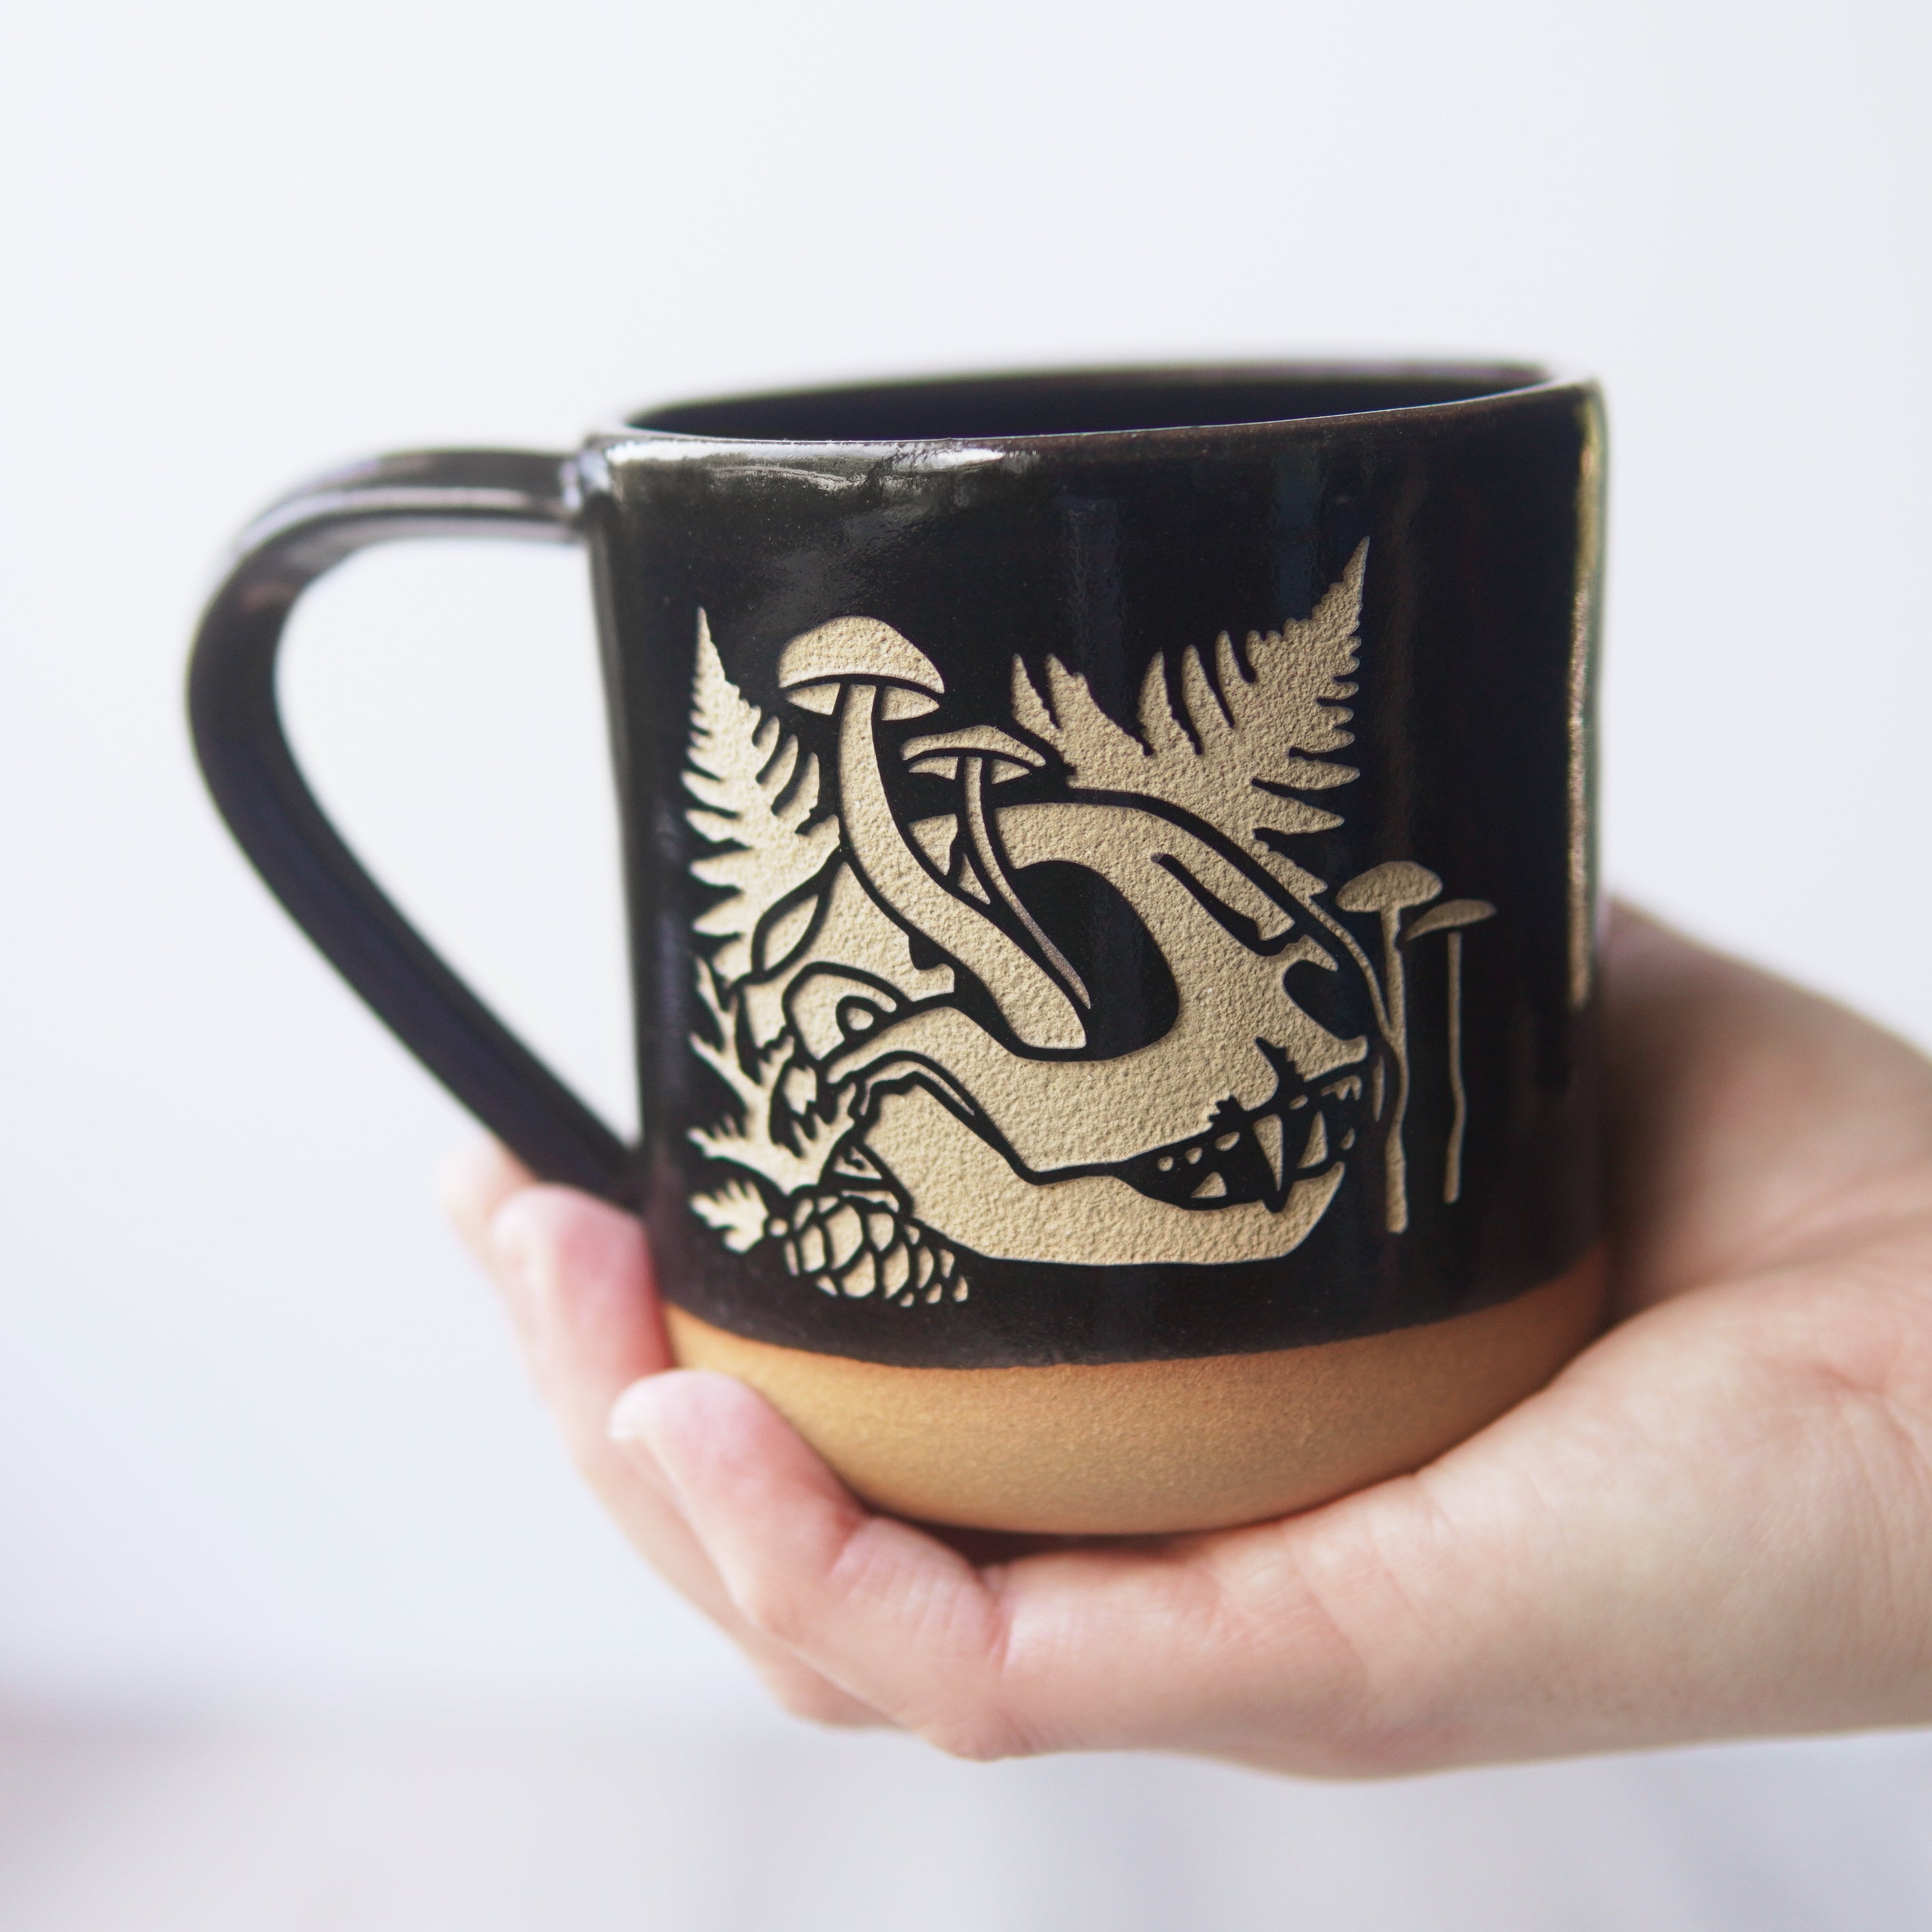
{"points": [[1451, 916], [1030, 1002], [1459, 1118], [1390, 890], [1396, 987], [972, 783]]}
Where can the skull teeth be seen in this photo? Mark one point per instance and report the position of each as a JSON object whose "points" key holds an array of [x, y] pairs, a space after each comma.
{"points": [[1267, 1132]]}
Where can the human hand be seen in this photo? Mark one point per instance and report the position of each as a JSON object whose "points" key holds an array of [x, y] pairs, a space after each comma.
{"points": [[1717, 1521]]}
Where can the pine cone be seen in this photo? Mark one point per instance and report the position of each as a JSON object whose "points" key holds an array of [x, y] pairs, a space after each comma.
{"points": [[860, 1241]]}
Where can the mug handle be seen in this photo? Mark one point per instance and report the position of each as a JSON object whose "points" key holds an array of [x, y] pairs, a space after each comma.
{"points": [[244, 756]]}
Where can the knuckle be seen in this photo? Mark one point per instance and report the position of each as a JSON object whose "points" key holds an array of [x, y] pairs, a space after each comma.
{"points": [[979, 1736], [769, 1606], [809, 1697]]}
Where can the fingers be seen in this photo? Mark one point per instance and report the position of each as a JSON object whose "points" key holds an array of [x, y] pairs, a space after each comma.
{"points": [[850, 1617], [1202, 1643], [473, 1184], [871, 1604], [1743, 1111], [577, 1278], [1677, 1540]]}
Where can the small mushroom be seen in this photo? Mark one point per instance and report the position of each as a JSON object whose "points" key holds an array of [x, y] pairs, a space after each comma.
{"points": [[1451, 916], [974, 754], [860, 670], [1389, 891], [1003, 755]]}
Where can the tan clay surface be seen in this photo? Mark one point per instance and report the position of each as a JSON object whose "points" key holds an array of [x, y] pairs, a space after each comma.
{"points": [[1140, 1447]]}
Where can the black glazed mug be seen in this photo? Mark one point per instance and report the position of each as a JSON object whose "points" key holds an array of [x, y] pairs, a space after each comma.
{"points": [[1111, 877]]}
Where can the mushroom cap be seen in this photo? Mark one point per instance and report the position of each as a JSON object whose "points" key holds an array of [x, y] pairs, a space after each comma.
{"points": [[1006, 756], [1448, 915], [1389, 888], [859, 650]]}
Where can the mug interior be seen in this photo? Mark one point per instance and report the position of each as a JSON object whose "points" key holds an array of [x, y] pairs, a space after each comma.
{"points": [[1082, 403]]}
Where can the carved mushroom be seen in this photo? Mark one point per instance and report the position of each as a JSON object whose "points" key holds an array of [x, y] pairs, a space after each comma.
{"points": [[863, 654], [859, 671], [1389, 891], [1451, 916], [974, 754]]}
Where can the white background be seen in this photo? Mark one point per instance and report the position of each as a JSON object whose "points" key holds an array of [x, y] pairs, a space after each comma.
{"points": [[262, 1447]]}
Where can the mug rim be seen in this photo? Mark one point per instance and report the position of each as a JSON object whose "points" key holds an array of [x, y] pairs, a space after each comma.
{"points": [[1488, 383]]}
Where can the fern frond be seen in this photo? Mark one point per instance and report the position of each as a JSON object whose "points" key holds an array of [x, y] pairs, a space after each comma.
{"points": [[737, 1211], [754, 797], [1232, 745]]}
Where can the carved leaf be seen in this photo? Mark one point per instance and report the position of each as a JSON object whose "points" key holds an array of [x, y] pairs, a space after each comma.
{"points": [[1232, 745], [737, 1211], [754, 1138], [753, 798]]}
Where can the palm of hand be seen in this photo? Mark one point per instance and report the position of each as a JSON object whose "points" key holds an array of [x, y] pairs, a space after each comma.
{"points": [[1717, 1521]]}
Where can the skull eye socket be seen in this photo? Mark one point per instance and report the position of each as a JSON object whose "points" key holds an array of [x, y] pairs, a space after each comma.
{"points": [[857, 1018], [830, 1006], [1135, 1001]]}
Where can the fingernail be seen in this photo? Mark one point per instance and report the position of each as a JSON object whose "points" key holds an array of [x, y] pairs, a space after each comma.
{"points": [[631, 1417], [630, 1427]]}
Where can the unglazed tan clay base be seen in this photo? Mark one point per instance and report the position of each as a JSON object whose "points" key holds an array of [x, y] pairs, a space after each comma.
{"points": [[1127, 1448]]}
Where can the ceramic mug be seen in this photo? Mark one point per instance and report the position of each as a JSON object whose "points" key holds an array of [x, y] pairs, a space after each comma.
{"points": [[1109, 859]]}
